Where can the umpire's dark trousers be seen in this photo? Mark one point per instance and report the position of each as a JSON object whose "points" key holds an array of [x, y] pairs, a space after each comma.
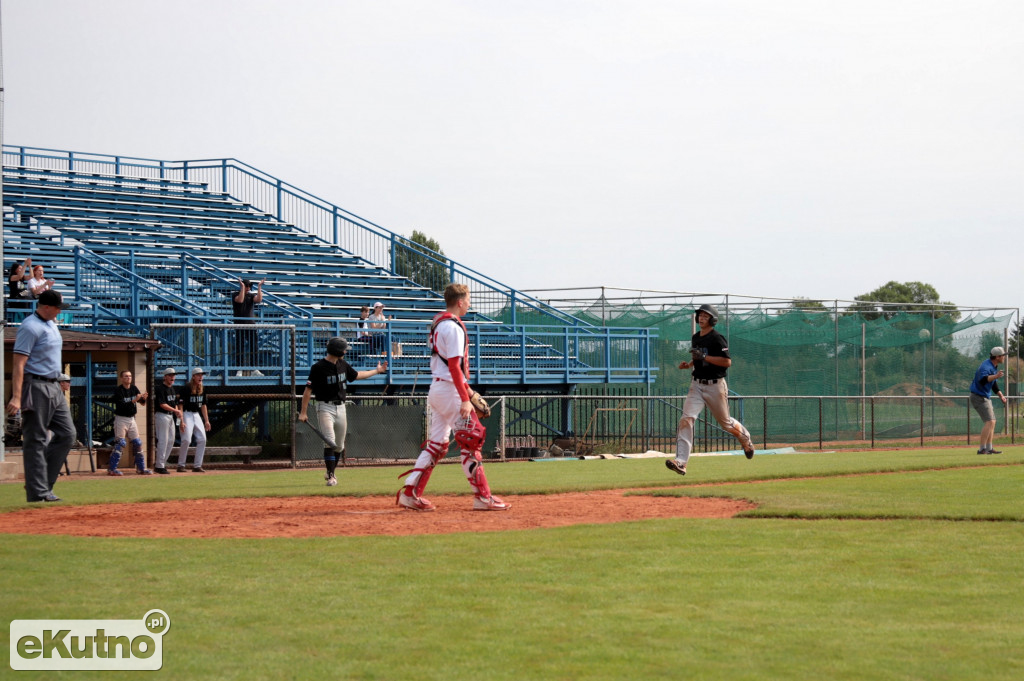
{"points": [[43, 408]]}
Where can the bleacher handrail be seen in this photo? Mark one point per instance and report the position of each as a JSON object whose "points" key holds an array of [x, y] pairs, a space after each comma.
{"points": [[272, 198]]}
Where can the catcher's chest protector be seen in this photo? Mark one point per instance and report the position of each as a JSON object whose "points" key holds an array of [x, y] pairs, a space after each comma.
{"points": [[433, 333]]}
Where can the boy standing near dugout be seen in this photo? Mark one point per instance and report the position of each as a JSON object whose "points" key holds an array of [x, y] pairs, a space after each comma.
{"points": [[126, 399], [710, 361]]}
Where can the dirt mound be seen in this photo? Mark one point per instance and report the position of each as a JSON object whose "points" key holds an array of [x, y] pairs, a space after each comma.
{"points": [[337, 516]]}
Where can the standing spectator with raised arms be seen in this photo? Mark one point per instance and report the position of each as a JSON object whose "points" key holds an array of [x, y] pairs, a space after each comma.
{"points": [[18, 295], [243, 306]]}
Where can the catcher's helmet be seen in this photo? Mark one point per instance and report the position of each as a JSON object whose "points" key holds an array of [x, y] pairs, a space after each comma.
{"points": [[337, 346], [470, 433], [13, 428], [710, 309]]}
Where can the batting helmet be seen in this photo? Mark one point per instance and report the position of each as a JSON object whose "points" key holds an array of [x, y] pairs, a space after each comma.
{"points": [[337, 346], [470, 433], [710, 309]]}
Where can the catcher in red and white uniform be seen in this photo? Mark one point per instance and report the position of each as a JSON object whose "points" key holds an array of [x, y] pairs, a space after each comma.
{"points": [[451, 409]]}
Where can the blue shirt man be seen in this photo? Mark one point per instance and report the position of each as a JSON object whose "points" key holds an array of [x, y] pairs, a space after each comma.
{"points": [[982, 386], [36, 393]]}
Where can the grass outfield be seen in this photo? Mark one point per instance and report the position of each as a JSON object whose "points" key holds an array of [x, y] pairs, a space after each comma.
{"points": [[910, 575]]}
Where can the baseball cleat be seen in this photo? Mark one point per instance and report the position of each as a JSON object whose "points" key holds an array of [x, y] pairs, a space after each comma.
{"points": [[143, 471], [414, 503], [114, 471], [331, 481], [674, 465], [491, 503], [982, 451], [748, 451], [993, 451]]}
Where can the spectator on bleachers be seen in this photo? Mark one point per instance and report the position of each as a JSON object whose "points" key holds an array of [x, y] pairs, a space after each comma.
{"points": [[244, 309], [38, 283], [378, 326], [18, 296], [363, 326]]}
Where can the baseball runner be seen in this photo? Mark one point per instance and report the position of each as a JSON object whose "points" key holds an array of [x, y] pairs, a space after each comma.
{"points": [[709, 360], [126, 399], [328, 379], [451, 408]]}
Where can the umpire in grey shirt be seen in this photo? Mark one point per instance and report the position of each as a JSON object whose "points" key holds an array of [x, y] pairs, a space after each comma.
{"points": [[36, 392]]}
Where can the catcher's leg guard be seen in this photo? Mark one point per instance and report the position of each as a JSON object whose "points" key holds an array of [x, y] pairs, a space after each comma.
{"points": [[417, 481], [473, 467], [115, 456], [140, 457]]}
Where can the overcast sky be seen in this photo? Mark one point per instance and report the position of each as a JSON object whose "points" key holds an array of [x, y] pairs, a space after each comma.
{"points": [[788, 148]]}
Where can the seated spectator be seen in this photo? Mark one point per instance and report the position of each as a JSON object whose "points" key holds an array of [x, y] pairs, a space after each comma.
{"points": [[18, 296], [38, 283], [378, 329]]}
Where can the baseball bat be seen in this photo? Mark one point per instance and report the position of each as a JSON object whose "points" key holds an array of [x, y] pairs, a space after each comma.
{"points": [[317, 431]]}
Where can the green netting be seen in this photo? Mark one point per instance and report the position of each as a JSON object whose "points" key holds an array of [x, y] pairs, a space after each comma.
{"points": [[784, 351]]}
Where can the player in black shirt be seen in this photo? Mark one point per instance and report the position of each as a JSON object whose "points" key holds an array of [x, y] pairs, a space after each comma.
{"points": [[195, 420], [710, 361], [327, 382], [126, 397], [168, 413]]}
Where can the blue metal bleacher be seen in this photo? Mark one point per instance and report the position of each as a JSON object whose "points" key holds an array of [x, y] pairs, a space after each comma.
{"points": [[137, 242]]}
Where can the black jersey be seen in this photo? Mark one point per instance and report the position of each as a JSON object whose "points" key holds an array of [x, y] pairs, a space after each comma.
{"points": [[165, 394], [124, 400], [716, 346], [192, 402], [329, 380]]}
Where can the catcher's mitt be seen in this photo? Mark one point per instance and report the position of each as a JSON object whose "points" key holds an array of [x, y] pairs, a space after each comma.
{"points": [[483, 410], [698, 353]]}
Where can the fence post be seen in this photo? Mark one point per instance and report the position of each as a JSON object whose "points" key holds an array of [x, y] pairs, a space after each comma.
{"points": [[968, 420], [764, 418], [922, 420], [821, 434], [872, 423]]}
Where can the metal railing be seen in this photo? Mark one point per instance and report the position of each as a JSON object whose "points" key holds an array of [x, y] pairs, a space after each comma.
{"points": [[501, 355], [631, 424], [351, 233]]}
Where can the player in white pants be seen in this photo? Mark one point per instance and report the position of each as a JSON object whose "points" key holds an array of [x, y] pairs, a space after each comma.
{"points": [[328, 381], [450, 409], [167, 410], [195, 420], [710, 362]]}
